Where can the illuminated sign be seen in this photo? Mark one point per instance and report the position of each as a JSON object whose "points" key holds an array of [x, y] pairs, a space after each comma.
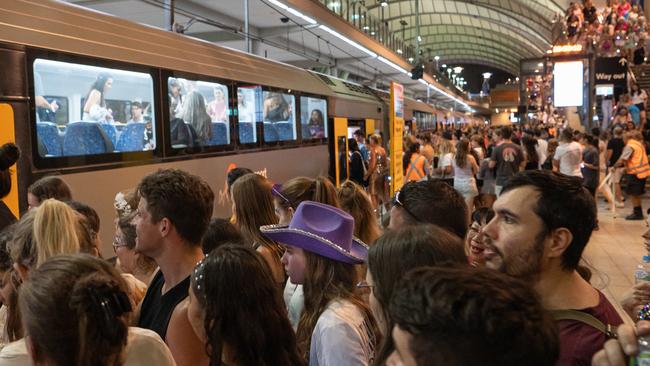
{"points": [[567, 48]]}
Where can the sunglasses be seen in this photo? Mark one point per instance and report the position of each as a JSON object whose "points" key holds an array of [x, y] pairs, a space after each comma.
{"points": [[397, 202], [277, 191]]}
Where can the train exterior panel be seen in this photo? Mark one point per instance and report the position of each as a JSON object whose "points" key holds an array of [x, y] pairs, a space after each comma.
{"points": [[268, 116]]}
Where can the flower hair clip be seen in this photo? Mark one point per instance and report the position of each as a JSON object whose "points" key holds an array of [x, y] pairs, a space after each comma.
{"points": [[121, 205]]}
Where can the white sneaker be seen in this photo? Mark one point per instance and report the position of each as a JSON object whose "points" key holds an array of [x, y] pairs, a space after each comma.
{"points": [[619, 204]]}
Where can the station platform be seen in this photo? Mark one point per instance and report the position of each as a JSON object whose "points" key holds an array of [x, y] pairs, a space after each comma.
{"points": [[615, 250]]}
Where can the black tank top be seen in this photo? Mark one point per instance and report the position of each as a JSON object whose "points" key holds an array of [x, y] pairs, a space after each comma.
{"points": [[157, 308]]}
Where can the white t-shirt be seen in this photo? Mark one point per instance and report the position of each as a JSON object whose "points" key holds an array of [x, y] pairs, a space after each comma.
{"points": [[570, 156], [144, 348], [639, 98], [342, 337], [542, 151], [295, 302]]}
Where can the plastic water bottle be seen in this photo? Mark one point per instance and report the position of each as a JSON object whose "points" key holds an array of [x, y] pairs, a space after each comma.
{"points": [[642, 272], [643, 358]]}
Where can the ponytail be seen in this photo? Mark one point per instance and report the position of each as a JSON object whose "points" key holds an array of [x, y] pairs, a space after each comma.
{"points": [[100, 304], [325, 192], [299, 189], [75, 310]]}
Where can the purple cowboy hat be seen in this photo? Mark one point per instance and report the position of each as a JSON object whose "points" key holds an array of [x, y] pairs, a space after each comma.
{"points": [[321, 229]]}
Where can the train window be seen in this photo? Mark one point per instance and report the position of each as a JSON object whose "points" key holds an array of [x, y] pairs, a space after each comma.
{"points": [[279, 116], [248, 113], [87, 110], [313, 117], [198, 113]]}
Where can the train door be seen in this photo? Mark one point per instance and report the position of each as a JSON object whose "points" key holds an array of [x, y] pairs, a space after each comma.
{"points": [[339, 168], [8, 134]]}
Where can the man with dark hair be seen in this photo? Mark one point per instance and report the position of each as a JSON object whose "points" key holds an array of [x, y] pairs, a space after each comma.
{"points": [[173, 214], [507, 158], [136, 113], [568, 156], [430, 202], [461, 316], [542, 224], [361, 141]]}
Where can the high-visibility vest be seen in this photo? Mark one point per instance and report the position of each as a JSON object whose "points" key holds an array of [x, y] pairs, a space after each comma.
{"points": [[637, 164], [416, 170]]}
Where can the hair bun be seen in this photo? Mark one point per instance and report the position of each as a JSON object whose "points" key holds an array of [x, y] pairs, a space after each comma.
{"points": [[9, 154]]}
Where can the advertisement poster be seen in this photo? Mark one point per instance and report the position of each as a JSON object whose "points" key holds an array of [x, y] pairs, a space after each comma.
{"points": [[396, 133], [568, 84]]}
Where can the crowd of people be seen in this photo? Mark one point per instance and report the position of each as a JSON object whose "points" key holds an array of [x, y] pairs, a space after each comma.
{"points": [[477, 161], [305, 273], [617, 29]]}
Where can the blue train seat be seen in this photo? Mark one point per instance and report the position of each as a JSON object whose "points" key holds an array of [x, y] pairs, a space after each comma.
{"points": [[86, 138], [270, 132], [219, 134], [246, 132], [285, 131], [110, 131], [132, 137], [49, 135]]}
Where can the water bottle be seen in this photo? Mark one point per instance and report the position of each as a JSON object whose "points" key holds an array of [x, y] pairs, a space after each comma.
{"points": [[642, 272], [643, 358]]}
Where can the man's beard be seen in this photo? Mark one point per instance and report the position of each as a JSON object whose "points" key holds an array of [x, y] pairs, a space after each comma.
{"points": [[522, 265]]}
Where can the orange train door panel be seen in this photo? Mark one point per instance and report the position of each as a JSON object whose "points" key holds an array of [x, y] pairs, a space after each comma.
{"points": [[7, 134], [341, 148]]}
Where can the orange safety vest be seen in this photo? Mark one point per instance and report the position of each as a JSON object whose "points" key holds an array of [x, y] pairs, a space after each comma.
{"points": [[416, 171], [637, 164]]}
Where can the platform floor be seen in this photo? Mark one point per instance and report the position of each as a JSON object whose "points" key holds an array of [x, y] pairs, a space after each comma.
{"points": [[615, 250]]}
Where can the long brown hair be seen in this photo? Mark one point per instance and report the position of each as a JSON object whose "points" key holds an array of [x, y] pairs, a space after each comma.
{"points": [[253, 201], [75, 310], [356, 202], [398, 251], [327, 280], [462, 150], [300, 189]]}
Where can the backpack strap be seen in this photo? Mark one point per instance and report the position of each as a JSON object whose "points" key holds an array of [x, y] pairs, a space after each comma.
{"points": [[585, 318]]}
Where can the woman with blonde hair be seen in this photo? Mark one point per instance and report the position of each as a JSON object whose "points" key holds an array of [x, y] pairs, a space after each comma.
{"points": [[253, 207], [56, 228], [355, 201]]}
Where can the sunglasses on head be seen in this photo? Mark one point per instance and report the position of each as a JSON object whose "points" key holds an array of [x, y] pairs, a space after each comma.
{"points": [[398, 202], [277, 191]]}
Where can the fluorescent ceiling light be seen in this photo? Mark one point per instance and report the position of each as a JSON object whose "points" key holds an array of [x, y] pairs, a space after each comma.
{"points": [[394, 66], [347, 40], [293, 11]]}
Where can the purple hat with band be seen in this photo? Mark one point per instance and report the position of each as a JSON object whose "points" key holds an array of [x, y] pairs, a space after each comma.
{"points": [[321, 229]]}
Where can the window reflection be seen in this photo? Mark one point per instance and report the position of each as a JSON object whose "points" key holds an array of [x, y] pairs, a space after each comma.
{"points": [[198, 113]]}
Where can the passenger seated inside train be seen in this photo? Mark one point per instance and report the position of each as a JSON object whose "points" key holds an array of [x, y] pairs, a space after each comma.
{"points": [[204, 123], [75, 119]]}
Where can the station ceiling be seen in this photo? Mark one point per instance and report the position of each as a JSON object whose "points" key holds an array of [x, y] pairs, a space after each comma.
{"points": [[493, 33]]}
